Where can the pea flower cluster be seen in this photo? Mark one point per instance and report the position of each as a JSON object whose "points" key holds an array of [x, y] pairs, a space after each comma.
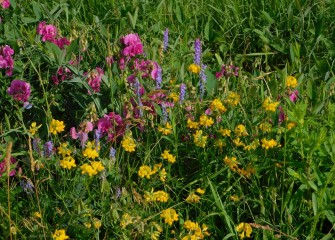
{"points": [[49, 33], [6, 60]]}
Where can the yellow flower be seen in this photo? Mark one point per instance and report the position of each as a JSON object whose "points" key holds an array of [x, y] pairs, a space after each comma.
{"points": [[206, 121], [233, 99], [291, 82], [193, 198], [225, 132], [234, 198], [64, 150], [169, 157], [68, 162], [56, 126], [232, 163], [238, 142], [194, 68], [128, 144], [33, 128], [92, 169], [60, 235], [97, 223], [87, 225], [265, 127], [156, 168], [145, 171], [162, 175], [126, 219], [90, 153], [174, 97], [240, 130], [244, 229], [161, 196], [268, 143], [220, 143], [169, 216], [291, 125], [191, 124], [252, 146], [199, 139], [167, 130], [37, 215], [200, 191], [217, 105], [269, 105]]}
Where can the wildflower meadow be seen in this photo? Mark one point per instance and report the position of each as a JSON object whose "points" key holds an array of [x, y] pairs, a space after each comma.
{"points": [[167, 119]]}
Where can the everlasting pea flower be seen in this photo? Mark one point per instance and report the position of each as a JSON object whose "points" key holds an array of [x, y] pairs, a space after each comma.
{"points": [[6, 60], [5, 3], [94, 79], [3, 167], [19, 90], [61, 42], [109, 60], [294, 96], [133, 45]]}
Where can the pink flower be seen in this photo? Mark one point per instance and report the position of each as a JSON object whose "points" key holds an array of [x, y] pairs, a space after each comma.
{"points": [[61, 42], [109, 60], [6, 60], [3, 167], [113, 125], [48, 32], [133, 45], [294, 96], [281, 115], [5, 4], [94, 79], [19, 90]]}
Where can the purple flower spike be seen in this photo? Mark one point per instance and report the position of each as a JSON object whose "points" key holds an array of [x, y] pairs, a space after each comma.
{"points": [[182, 93], [166, 39], [197, 52], [159, 78], [48, 149], [203, 80]]}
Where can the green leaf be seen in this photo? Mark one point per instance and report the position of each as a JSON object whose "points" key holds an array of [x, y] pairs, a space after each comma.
{"points": [[211, 84]]}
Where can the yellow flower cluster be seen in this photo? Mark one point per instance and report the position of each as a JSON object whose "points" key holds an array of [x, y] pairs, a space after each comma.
{"points": [[269, 105], [33, 128], [194, 68], [232, 163], [199, 139], [217, 105], [169, 216], [252, 146], [146, 171], [97, 223], [159, 196], [167, 130], [60, 235], [206, 121], [90, 151], [291, 125], [267, 144], [244, 229], [169, 157], [220, 143], [68, 162], [240, 130], [56, 126], [194, 198], [128, 144], [64, 150], [126, 219], [265, 127], [225, 132], [238, 142], [174, 96], [92, 169], [291, 82], [195, 231], [192, 125], [233, 99], [155, 234]]}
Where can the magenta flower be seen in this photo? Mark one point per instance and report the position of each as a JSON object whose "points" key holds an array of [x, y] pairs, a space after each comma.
{"points": [[281, 115], [94, 79], [133, 45], [48, 32], [109, 60], [61, 42], [5, 4], [6, 60], [113, 125], [19, 90], [3, 167], [294, 96]]}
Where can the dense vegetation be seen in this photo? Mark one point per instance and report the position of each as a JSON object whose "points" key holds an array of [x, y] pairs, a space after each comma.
{"points": [[167, 119]]}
